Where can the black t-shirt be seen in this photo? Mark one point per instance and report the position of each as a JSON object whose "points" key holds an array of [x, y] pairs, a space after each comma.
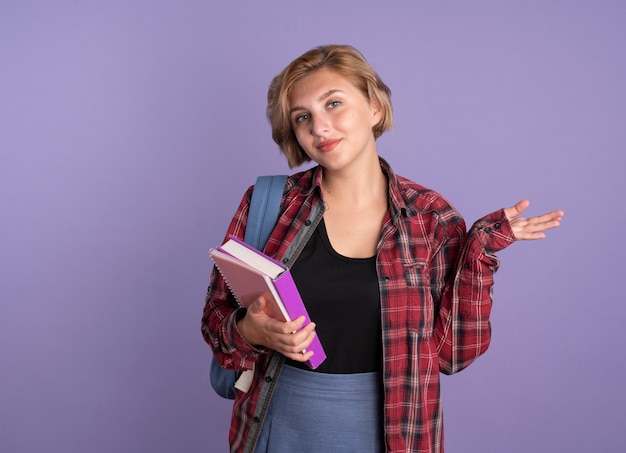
{"points": [[342, 297]]}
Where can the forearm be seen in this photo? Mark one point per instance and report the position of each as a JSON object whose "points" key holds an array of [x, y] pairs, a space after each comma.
{"points": [[462, 327], [221, 311], [220, 331]]}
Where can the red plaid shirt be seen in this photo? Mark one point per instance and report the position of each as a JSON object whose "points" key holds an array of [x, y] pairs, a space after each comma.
{"points": [[435, 286]]}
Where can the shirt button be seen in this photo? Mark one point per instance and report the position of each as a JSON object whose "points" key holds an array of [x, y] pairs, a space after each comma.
{"points": [[268, 378], [497, 226], [466, 265], [387, 278], [285, 260], [307, 222], [256, 419]]}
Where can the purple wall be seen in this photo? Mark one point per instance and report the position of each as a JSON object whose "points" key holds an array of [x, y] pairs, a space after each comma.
{"points": [[130, 129]]}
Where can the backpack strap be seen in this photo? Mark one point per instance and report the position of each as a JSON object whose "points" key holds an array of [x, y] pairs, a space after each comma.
{"points": [[264, 209]]}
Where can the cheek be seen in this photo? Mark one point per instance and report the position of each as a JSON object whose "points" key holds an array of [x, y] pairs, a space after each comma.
{"points": [[357, 122], [304, 140], [345, 121]]}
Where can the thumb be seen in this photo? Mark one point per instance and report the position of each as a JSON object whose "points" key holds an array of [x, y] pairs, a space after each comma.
{"points": [[516, 209], [258, 306]]}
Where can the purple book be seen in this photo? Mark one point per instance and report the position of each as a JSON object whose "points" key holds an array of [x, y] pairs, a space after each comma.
{"points": [[250, 273]]}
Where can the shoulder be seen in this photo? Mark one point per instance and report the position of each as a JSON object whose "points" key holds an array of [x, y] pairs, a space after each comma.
{"points": [[419, 200], [413, 199], [302, 182]]}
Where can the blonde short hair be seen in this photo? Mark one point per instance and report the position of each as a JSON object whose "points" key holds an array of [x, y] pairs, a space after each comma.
{"points": [[345, 61]]}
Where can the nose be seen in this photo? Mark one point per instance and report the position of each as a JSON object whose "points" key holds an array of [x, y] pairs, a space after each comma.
{"points": [[319, 125]]}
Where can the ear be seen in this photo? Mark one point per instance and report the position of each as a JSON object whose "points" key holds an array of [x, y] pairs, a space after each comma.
{"points": [[376, 112]]}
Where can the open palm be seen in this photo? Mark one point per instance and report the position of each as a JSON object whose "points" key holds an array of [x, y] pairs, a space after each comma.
{"points": [[533, 227]]}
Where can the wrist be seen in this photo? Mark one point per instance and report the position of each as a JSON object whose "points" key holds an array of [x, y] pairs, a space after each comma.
{"points": [[243, 327]]}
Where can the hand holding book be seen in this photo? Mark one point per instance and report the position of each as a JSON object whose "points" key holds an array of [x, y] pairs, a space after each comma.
{"points": [[276, 317], [290, 338]]}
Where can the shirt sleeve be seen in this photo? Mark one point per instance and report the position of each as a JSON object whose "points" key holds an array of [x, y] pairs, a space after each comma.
{"points": [[462, 278], [221, 310]]}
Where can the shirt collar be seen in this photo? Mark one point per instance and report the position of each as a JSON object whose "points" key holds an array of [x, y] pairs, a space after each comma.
{"points": [[398, 205]]}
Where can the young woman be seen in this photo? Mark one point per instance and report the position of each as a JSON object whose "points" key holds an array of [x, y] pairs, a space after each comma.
{"points": [[397, 289]]}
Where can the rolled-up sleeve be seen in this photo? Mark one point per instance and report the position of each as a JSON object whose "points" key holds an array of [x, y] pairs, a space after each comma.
{"points": [[221, 310], [462, 326]]}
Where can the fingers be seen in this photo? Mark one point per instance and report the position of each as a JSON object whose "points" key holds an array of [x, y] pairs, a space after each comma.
{"points": [[295, 346], [289, 338], [535, 227], [548, 217], [286, 338], [289, 342]]}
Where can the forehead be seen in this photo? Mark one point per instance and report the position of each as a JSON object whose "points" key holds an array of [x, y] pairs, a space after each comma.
{"points": [[316, 85]]}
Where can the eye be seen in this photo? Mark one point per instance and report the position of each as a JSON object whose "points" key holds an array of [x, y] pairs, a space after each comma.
{"points": [[333, 104], [301, 118]]}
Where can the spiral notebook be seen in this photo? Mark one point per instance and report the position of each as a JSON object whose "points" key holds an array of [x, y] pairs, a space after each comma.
{"points": [[249, 274]]}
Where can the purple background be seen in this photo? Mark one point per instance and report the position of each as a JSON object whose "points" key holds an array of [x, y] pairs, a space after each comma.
{"points": [[130, 129]]}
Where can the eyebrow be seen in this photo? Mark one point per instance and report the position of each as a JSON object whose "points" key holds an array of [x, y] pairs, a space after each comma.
{"points": [[323, 96]]}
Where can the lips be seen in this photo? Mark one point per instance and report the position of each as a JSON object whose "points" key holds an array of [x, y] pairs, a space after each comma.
{"points": [[328, 145]]}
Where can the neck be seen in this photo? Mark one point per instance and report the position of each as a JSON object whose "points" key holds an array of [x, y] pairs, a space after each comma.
{"points": [[356, 187]]}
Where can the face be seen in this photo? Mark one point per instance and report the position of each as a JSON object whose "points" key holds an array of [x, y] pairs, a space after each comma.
{"points": [[333, 120]]}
